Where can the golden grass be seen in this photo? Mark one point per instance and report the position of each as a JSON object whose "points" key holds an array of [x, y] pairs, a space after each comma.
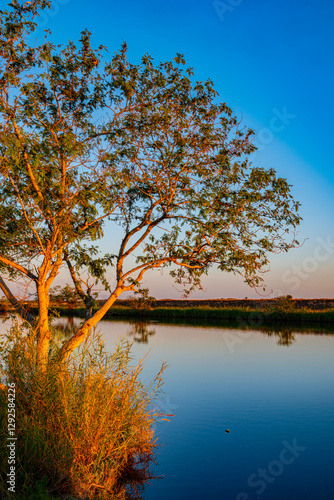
{"points": [[84, 428]]}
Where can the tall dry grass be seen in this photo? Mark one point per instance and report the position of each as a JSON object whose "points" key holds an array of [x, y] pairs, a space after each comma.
{"points": [[83, 428]]}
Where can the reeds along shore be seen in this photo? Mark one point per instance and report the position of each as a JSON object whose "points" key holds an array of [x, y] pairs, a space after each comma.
{"points": [[295, 311], [239, 315], [83, 429], [251, 316]]}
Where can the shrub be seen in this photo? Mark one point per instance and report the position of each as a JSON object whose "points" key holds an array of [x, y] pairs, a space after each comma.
{"points": [[142, 300], [282, 305], [84, 428]]}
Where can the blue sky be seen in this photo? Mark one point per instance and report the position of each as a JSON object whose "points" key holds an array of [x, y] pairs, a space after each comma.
{"points": [[267, 59]]}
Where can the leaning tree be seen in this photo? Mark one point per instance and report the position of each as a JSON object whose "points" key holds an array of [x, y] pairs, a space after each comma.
{"points": [[89, 145]]}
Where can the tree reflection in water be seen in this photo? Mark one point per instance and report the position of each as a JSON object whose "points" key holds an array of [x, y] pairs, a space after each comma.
{"points": [[286, 337], [65, 329], [141, 331]]}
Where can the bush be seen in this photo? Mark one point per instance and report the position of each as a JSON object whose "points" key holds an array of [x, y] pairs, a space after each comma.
{"points": [[141, 300], [283, 304], [84, 428]]}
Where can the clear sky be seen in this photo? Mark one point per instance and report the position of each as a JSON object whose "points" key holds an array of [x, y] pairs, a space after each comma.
{"points": [[272, 62]]}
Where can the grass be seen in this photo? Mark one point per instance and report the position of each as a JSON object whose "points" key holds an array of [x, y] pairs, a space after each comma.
{"points": [[240, 314], [84, 429], [283, 309]]}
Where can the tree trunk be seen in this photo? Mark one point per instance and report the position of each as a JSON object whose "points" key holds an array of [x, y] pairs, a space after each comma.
{"points": [[82, 333], [26, 315], [44, 335]]}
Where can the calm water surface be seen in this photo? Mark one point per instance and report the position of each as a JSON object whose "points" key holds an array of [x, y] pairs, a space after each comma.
{"points": [[276, 400]]}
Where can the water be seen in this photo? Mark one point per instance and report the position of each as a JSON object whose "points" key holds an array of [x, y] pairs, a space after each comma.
{"points": [[276, 400]]}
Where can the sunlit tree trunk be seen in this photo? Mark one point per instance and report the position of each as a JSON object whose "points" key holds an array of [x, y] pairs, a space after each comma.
{"points": [[166, 163], [82, 333], [44, 335]]}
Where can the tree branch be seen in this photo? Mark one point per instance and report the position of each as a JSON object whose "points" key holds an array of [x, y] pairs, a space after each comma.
{"points": [[26, 315], [18, 267], [74, 342]]}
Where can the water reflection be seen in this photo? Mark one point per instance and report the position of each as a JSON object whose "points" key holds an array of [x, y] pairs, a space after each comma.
{"points": [[286, 337], [141, 331], [135, 477], [263, 393], [65, 328]]}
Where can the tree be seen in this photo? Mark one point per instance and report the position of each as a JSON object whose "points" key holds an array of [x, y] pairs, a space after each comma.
{"points": [[87, 145], [65, 295]]}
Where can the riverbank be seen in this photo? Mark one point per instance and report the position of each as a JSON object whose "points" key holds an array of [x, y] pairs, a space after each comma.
{"points": [[238, 316], [262, 304], [243, 312]]}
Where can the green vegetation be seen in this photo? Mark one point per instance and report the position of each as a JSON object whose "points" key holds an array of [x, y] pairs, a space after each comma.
{"points": [[281, 310], [142, 306], [142, 300], [235, 315], [242, 314], [89, 145], [83, 428], [282, 305]]}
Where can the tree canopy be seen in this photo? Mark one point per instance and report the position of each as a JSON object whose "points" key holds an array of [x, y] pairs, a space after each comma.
{"points": [[88, 143]]}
